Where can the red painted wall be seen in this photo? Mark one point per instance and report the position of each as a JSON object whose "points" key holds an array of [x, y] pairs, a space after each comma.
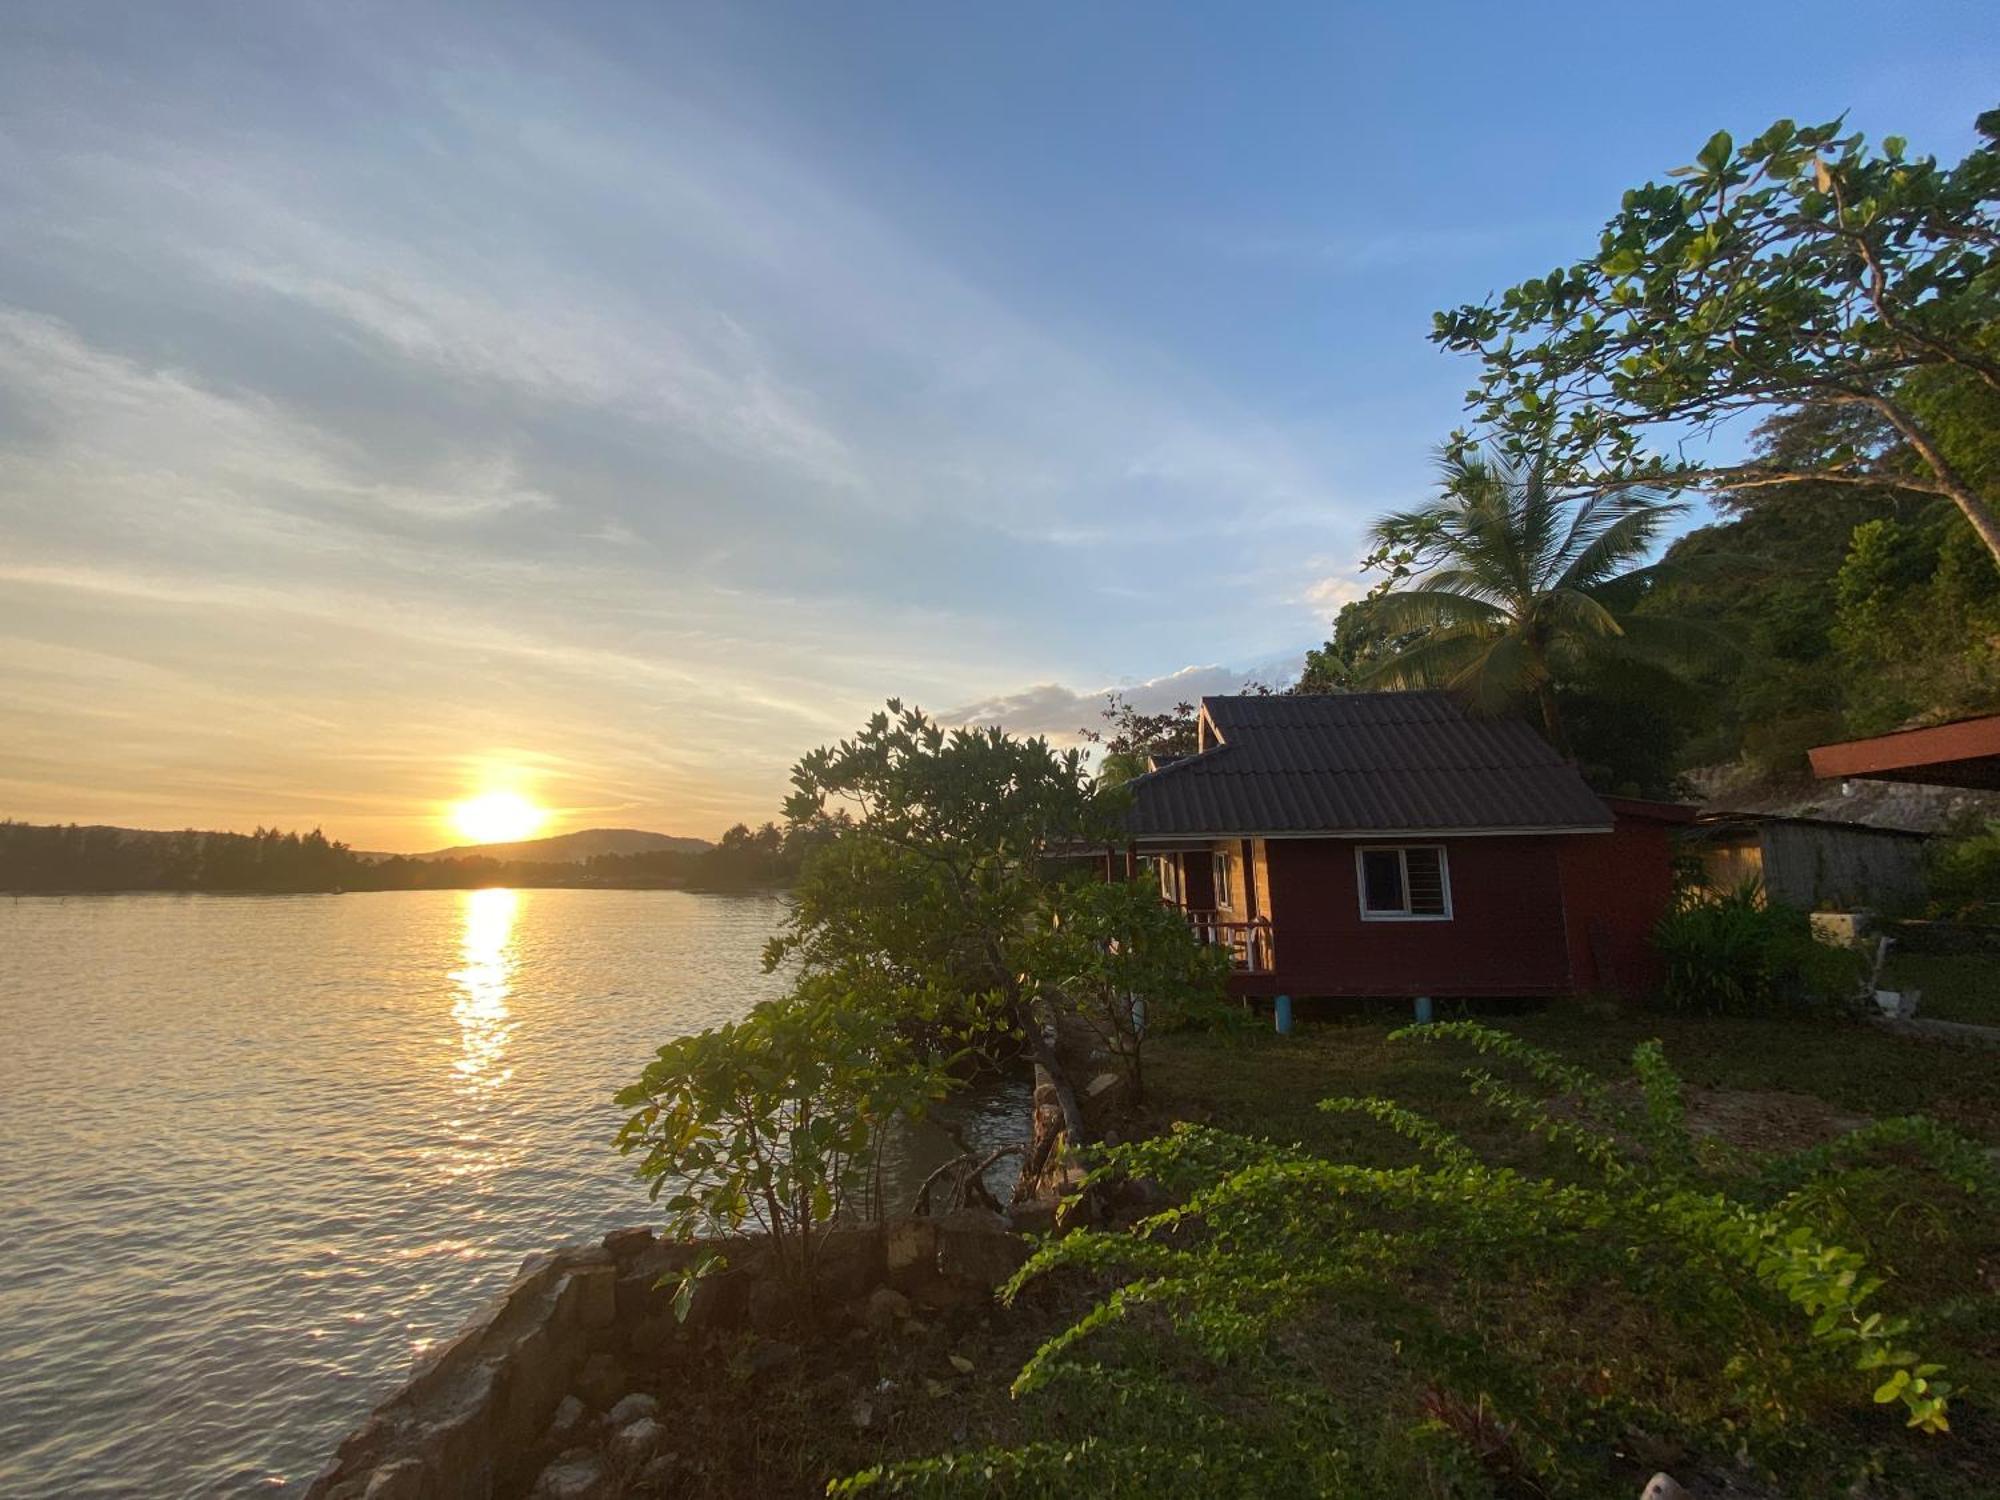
{"points": [[1505, 937], [1617, 887]]}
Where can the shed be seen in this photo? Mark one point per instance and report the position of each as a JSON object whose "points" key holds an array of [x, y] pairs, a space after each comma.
{"points": [[1811, 863]]}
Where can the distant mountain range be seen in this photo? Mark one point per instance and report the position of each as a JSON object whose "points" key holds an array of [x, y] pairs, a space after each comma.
{"points": [[572, 848], [559, 849]]}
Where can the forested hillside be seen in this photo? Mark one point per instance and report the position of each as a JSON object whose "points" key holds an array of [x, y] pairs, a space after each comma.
{"points": [[1839, 610]]}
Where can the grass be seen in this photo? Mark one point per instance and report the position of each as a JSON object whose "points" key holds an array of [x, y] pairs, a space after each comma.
{"points": [[1770, 1085], [780, 1429], [1268, 1086], [1956, 987]]}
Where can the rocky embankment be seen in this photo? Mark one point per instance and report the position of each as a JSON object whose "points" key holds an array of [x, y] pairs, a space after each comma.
{"points": [[550, 1391]]}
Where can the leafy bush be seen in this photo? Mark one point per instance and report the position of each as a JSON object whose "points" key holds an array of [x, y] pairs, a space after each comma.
{"points": [[1298, 1325], [774, 1123], [932, 893], [1734, 953], [1965, 874], [1121, 964]]}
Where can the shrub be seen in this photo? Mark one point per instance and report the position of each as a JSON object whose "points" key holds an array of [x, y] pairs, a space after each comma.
{"points": [[1965, 874], [1733, 953], [1115, 960], [774, 1123], [1298, 1325]]}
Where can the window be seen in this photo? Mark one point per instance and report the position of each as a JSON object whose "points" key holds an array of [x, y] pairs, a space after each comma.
{"points": [[1222, 881], [1408, 883], [1170, 882]]}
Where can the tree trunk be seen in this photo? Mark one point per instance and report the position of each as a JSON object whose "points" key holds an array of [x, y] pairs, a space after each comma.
{"points": [[1073, 1126], [1969, 501], [1552, 725]]}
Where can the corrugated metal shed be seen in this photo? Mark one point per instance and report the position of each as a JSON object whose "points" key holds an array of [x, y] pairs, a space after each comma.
{"points": [[1361, 763]]}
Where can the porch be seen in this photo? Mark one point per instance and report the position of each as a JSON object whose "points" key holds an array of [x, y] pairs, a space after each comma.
{"points": [[1252, 944]]}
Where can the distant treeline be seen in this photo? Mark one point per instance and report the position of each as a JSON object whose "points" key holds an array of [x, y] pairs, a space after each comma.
{"points": [[67, 857]]}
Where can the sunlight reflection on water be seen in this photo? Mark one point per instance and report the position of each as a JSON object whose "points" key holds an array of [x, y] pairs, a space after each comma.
{"points": [[358, 1114], [256, 1151], [481, 1008]]}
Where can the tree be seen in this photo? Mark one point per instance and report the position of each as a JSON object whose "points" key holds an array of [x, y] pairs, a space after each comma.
{"points": [[1120, 958], [1802, 267], [1358, 645], [775, 1122], [1132, 740], [932, 898], [1515, 586]]}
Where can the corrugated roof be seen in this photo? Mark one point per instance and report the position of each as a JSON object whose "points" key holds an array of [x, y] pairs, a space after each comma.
{"points": [[1362, 763]]}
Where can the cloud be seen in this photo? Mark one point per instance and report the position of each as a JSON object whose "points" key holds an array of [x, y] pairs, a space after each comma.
{"points": [[1060, 712], [497, 390], [1346, 253], [1326, 595]]}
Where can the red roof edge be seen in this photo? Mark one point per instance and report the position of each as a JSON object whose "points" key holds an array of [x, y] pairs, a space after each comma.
{"points": [[1909, 749], [1646, 810]]}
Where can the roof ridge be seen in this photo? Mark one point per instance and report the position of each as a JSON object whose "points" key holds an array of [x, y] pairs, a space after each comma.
{"points": [[1178, 764]]}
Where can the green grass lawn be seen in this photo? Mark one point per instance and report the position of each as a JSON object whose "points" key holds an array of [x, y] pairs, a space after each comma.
{"points": [[1268, 1086], [1768, 1086], [836, 1408], [1956, 987]]}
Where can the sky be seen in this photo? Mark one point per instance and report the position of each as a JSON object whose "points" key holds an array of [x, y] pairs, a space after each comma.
{"points": [[611, 402]]}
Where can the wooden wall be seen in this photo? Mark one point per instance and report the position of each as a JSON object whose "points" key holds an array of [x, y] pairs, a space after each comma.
{"points": [[1505, 937]]}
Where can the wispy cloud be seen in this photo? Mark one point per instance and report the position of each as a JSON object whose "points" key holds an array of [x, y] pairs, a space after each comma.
{"points": [[489, 395], [1062, 713]]}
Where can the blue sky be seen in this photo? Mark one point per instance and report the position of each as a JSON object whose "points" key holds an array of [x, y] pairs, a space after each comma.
{"points": [[614, 401]]}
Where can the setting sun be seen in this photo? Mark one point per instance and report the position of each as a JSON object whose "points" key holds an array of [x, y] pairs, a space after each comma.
{"points": [[497, 818]]}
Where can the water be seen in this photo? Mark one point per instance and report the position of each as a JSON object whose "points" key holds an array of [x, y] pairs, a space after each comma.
{"points": [[258, 1152]]}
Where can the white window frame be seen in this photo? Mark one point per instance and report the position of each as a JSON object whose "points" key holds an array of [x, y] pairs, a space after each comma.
{"points": [[1401, 851], [1223, 893]]}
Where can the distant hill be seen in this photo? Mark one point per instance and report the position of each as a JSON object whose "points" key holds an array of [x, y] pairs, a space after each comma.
{"points": [[575, 848]]}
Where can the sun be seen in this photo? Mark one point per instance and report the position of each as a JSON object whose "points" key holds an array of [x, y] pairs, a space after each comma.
{"points": [[497, 817]]}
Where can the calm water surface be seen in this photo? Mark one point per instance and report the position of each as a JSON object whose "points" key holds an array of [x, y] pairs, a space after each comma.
{"points": [[257, 1152]]}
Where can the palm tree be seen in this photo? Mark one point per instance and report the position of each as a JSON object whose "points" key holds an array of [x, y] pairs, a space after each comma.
{"points": [[1517, 585]]}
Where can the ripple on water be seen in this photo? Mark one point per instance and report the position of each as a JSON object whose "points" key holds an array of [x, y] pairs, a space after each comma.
{"points": [[256, 1151]]}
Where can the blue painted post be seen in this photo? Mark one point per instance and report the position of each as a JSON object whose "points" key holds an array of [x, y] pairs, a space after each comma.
{"points": [[1283, 1008], [1423, 1009]]}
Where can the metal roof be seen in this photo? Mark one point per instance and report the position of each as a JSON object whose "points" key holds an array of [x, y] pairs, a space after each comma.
{"points": [[1361, 763]]}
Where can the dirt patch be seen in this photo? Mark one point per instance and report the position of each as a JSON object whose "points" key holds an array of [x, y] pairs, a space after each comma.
{"points": [[1767, 1119]]}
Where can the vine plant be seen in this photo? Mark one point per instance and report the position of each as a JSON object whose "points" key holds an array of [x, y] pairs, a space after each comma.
{"points": [[1265, 1241]]}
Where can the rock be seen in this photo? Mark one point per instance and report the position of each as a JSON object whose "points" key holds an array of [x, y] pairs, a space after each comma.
{"points": [[976, 1248], [649, 1336], [772, 1305], [401, 1480], [862, 1412], [659, 1473], [886, 1308], [581, 1478], [850, 1262], [596, 1295], [568, 1421], [940, 1296], [1663, 1487], [632, 1408], [634, 1443], [626, 1244], [1033, 1216], [909, 1246], [717, 1302], [602, 1381]]}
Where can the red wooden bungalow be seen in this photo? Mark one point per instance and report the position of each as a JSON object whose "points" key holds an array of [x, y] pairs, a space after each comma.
{"points": [[1390, 844]]}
